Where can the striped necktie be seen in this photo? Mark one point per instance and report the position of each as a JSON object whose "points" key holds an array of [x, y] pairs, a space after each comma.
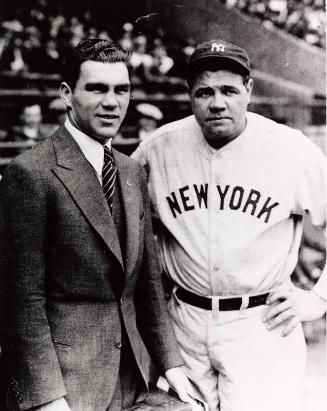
{"points": [[109, 172]]}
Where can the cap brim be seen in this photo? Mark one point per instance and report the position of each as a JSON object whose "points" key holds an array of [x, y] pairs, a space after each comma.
{"points": [[222, 62]]}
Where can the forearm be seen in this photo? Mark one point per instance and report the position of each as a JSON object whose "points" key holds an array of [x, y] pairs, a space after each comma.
{"points": [[321, 286]]}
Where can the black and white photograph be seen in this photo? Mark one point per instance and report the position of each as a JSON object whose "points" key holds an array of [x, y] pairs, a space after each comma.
{"points": [[163, 205]]}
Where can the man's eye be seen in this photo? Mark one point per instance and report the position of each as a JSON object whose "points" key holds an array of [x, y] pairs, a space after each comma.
{"points": [[122, 90], [230, 92], [95, 90], [202, 93]]}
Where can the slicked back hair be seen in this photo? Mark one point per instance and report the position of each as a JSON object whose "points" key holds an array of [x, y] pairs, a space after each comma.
{"points": [[105, 51]]}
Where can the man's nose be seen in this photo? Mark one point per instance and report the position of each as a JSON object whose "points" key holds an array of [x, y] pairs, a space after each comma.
{"points": [[217, 102], [110, 100]]}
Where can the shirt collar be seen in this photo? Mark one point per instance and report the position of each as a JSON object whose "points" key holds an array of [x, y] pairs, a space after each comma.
{"points": [[92, 149]]}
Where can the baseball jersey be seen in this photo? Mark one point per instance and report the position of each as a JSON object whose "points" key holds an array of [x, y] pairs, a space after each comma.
{"points": [[233, 217]]}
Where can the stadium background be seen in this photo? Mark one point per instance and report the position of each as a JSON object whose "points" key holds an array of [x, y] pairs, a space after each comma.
{"points": [[286, 44]]}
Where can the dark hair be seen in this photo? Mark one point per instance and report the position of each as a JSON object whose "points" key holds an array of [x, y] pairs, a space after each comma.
{"points": [[214, 65], [29, 103], [105, 51]]}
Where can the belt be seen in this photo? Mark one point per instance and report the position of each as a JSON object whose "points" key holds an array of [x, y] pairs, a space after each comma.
{"points": [[225, 304]]}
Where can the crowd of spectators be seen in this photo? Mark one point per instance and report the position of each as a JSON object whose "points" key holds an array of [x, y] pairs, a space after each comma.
{"points": [[36, 38], [302, 18]]}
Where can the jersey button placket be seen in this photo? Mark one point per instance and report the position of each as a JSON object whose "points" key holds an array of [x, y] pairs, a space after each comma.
{"points": [[211, 228], [214, 237]]}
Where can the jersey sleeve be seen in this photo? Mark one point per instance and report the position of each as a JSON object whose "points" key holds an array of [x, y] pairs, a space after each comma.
{"points": [[311, 182], [311, 194], [140, 156]]}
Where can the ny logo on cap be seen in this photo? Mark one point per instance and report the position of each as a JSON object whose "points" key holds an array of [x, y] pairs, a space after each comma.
{"points": [[218, 47]]}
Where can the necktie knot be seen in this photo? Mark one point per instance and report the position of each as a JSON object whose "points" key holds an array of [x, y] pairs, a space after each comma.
{"points": [[107, 154], [109, 171]]}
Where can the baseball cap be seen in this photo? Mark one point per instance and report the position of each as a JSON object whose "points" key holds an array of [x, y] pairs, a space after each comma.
{"points": [[149, 110], [228, 54]]}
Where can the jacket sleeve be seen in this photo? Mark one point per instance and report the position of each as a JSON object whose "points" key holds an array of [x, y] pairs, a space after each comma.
{"points": [[31, 357], [151, 310]]}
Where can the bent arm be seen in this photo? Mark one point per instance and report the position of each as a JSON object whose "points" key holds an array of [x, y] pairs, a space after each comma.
{"points": [[287, 304]]}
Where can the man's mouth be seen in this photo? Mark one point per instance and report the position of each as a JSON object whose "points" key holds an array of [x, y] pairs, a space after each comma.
{"points": [[217, 118], [108, 116]]}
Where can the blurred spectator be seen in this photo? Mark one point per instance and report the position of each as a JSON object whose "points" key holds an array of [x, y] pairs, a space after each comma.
{"points": [[140, 57], [32, 48], [77, 31], [30, 128], [6, 35], [160, 65], [57, 112], [104, 35], [163, 61], [56, 21], [127, 40], [14, 60], [49, 61], [189, 47], [11, 57], [37, 15], [92, 33], [148, 119]]}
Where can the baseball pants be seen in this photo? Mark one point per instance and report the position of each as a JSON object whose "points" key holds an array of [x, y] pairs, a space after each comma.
{"points": [[235, 363]]}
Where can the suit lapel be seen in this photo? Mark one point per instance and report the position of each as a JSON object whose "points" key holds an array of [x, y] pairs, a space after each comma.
{"points": [[131, 202], [79, 178]]}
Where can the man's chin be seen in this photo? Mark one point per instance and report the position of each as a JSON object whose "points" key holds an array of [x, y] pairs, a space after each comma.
{"points": [[218, 140], [106, 133], [217, 133]]}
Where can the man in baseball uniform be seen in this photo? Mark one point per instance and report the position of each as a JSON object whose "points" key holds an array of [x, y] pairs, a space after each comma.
{"points": [[230, 188]]}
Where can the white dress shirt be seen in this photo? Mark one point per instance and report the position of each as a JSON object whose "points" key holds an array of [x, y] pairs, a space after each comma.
{"points": [[92, 149]]}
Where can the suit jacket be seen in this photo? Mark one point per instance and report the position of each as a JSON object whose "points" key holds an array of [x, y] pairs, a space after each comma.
{"points": [[68, 289]]}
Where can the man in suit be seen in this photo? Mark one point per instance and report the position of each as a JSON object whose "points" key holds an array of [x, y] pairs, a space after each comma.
{"points": [[30, 128], [79, 272]]}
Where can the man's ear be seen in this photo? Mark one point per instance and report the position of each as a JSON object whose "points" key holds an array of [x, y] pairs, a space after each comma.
{"points": [[66, 94], [249, 88]]}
